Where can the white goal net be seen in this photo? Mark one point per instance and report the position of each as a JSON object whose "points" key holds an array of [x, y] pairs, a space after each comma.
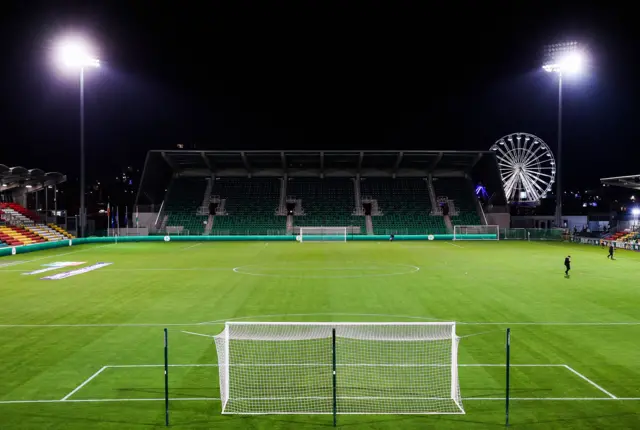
{"points": [[323, 234], [380, 368], [476, 232]]}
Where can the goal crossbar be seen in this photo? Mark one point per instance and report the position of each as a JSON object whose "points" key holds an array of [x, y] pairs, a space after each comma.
{"points": [[372, 368], [338, 324], [323, 234], [476, 232]]}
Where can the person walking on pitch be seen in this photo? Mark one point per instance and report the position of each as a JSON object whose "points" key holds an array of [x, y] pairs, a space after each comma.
{"points": [[611, 248], [567, 265]]}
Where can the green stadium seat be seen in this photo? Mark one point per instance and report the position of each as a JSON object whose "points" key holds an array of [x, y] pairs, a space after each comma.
{"points": [[405, 206], [328, 202], [460, 190], [251, 206], [183, 200]]}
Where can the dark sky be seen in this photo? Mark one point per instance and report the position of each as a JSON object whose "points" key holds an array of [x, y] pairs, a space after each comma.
{"points": [[315, 75]]}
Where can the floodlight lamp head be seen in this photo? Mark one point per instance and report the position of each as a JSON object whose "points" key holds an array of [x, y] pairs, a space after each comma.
{"points": [[564, 58], [635, 211], [75, 54]]}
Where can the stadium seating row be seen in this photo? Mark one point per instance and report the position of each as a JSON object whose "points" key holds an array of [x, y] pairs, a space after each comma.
{"points": [[22, 226], [460, 190], [16, 236], [251, 205]]}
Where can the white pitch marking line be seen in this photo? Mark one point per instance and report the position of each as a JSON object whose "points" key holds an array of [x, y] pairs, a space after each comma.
{"points": [[192, 246], [83, 384], [198, 334], [552, 399], [117, 366], [93, 325], [453, 244], [590, 381], [63, 254], [551, 323], [222, 321], [9, 402], [196, 399]]}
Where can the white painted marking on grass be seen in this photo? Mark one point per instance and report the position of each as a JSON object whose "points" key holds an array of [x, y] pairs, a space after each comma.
{"points": [[83, 384], [551, 399], [169, 269], [542, 323], [124, 366], [453, 244], [192, 246], [10, 402], [11, 263], [571, 369], [211, 399], [63, 254], [197, 334], [245, 270]]}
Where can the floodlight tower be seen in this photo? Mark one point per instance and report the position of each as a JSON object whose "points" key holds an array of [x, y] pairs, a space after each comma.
{"points": [[562, 59], [74, 54]]}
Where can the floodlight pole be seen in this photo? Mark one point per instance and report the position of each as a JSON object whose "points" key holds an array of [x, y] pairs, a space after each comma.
{"points": [[82, 190], [559, 166]]}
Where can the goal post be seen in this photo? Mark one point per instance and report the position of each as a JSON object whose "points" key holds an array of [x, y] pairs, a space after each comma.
{"points": [[339, 368], [323, 234], [476, 232]]}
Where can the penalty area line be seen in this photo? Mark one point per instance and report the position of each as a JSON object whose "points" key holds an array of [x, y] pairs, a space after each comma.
{"points": [[580, 375], [83, 384]]}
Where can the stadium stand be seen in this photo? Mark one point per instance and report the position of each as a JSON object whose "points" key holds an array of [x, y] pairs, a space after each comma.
{"points": [[17, 215], [183, 200], [328, 202], [63, 232], [405, 206], [20, 225], [257, 192], [460, 191], [16, 236], [247, 206], [616, 236]]}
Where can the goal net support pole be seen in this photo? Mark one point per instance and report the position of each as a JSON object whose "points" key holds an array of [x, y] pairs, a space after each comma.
{"points": [[335, 383], [339, 368], [508, 371], [476, 232]]}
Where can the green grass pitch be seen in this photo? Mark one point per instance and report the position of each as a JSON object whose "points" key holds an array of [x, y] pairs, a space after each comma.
{"points": [[84, 339]]}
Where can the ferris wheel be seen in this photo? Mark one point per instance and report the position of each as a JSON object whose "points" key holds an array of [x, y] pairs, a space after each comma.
{"points": [[527, 167]]}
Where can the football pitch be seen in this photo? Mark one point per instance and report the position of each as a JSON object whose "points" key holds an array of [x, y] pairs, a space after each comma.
{"points": [[86, 351]]}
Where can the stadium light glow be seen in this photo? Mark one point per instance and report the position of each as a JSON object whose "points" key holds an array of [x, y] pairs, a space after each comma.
{"points": [[635, 211], [562, 59], [74, 53]]}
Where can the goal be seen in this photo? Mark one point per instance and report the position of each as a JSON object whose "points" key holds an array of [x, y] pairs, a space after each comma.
{"points": [[476, 232], [323, 234], [339, 368]]}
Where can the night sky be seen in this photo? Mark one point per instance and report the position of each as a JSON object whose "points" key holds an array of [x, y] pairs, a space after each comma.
{"points": [[315, 75]]}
